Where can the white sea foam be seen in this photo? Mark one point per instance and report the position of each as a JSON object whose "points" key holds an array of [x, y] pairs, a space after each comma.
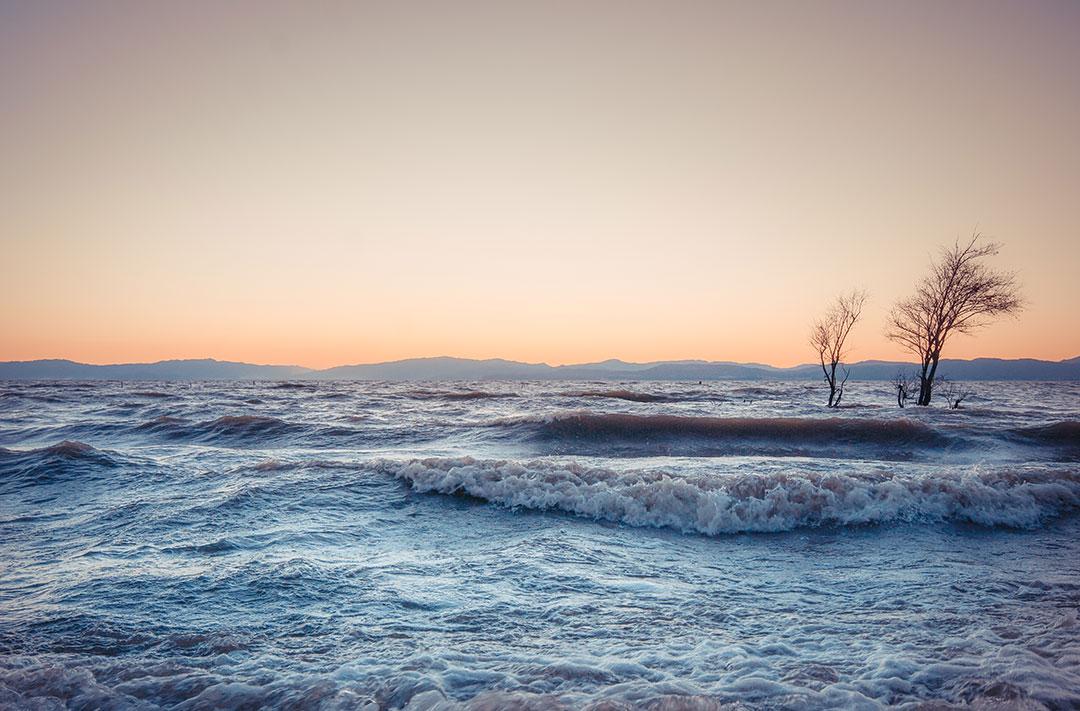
{"points": [[1021, 497]]}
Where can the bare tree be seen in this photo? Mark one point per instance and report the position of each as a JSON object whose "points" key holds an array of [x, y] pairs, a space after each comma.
{"points": [[953, 392], [904, 383], [827, 337], [960, 295]]}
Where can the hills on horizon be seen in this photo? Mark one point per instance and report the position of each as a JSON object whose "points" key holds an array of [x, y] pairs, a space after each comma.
{"points": [[449, 368]]}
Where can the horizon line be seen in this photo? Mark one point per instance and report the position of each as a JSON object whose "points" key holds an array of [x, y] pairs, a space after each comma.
{"points": [[510, 360]]}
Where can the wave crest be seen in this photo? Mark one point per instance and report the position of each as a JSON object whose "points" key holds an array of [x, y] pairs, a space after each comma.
{"points": [[733, 503], [57, 463], [66, 450], [424, 394], [629, 395], [803, 429], [605, 434], [244, 426], [230, 428], [1065, 433]]}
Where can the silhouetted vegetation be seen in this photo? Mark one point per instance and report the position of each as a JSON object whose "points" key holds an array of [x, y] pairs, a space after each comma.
{"points": [[828, 336], [904, 382], [953, 392], [959, 295]]}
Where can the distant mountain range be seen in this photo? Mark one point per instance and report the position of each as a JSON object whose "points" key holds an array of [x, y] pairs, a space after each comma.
{"points": [[445, 368]]}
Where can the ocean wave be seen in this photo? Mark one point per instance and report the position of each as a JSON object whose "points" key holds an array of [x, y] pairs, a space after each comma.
{"points": [[800, 429], [58, 462], [230, 429], [162, 424], [243, 427], [620, 434], [424, 394], [476, 395], [628, 395], [68, 450], [753, 391], [1065, 433], [734, 503]]}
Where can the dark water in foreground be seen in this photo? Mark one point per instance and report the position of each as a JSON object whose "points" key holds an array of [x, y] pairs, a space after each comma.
{"points": [[536, 545]]}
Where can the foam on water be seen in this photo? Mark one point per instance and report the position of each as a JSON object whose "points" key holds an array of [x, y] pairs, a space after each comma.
{"points": [[735, 503]]}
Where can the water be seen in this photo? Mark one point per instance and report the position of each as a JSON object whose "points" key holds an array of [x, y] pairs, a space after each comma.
{"points": [[536, 545]]}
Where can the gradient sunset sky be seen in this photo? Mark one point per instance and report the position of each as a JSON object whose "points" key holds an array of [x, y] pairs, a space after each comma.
{"points": [[337, 182]]}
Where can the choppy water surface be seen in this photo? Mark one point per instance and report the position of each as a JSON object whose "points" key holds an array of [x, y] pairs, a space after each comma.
{"points": [[536, 545]]}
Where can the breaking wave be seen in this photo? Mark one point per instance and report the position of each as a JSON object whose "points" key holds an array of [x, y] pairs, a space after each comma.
{"points": [[734, 503]]}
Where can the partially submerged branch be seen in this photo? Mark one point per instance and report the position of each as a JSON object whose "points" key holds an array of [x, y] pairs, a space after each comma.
{"points": [[954, 393], [904, 383]]}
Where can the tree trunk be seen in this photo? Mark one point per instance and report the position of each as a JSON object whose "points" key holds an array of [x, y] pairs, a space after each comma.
{"points": [[926, 386]]}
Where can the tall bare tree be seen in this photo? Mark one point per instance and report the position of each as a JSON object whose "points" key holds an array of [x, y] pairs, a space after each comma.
{"points": [[828, 336], [959, 295]]}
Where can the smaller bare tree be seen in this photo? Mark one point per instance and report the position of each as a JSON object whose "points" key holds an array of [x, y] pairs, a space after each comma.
{"points": [[953, 392], [904, 383], [828, 336]]}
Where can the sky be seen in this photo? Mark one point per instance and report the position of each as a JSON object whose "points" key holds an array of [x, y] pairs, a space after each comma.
{"points": [[321, 183]]}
